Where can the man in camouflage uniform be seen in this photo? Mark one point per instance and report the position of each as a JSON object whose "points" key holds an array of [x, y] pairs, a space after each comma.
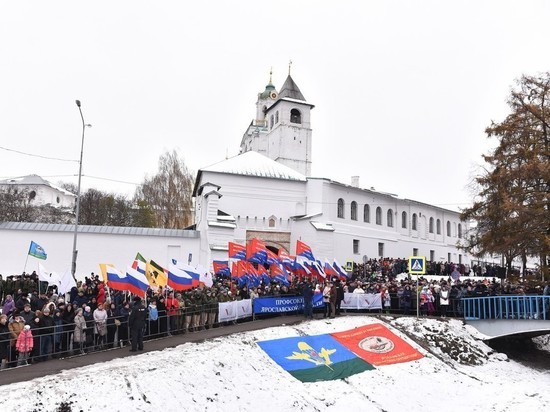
{"points": [[212, 308], [189, 309]]}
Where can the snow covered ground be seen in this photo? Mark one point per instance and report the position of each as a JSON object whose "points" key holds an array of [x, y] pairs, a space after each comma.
{"points": [[458, 373]]}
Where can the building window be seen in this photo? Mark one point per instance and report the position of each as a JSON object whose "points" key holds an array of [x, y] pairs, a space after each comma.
{"points": [[438, 226], [366, 214], [276, 117], [414, 222], [415, 251], [380, 249], [295, 116], [58, 199], [448, 228], [32, 195], [390, 218], [271, 122], [341, 208], [271, 222], [432, 255], [404, 220], [355, 246], [378, 215], [459, 230], [354, 210], [431, 225]]}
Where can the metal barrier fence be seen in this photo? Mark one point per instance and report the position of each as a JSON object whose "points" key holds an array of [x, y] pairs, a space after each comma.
{"points": [[60, 343], [507, 307]]}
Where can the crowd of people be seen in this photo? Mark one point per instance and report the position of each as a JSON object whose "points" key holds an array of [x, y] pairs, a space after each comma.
{"points": [[36, 323]]}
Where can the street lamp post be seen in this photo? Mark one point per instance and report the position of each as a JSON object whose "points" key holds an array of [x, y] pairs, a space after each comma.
{"points": [[75, 251]]}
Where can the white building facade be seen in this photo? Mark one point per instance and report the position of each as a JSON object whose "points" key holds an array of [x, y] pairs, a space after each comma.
{"points": [[265, 192]]}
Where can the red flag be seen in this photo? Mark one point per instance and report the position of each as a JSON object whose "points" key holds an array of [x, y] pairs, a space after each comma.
{"points": [[304, 250], [256, 251], [237, 251]]}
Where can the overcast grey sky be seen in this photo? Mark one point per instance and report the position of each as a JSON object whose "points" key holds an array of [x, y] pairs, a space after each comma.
{"points": [[403, 90]]}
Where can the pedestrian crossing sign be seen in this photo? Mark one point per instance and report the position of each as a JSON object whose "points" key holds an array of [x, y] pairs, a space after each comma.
{"points": [[417, 265]]}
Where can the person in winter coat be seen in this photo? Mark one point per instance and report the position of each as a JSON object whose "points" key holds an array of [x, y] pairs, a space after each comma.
{"points": [[68, 327], [112, 315], [339, 296], [47, 328], [406, 300], [4, 341], [326, 299], [136, 322], [153, 315], [24, 345], [89, 317], [79, 334], [307, 292], [100, 320], [123, 314], [9, 306], [444, 298], [386, 299], [332, 299], [15, 327], [100, 294], [172, 307]]}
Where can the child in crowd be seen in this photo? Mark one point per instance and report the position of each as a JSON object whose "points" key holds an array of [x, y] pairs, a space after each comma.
{"points": [[24, 345]]}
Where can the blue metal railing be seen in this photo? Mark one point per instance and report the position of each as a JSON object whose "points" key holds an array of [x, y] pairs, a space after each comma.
{"points": [[507, 307]]}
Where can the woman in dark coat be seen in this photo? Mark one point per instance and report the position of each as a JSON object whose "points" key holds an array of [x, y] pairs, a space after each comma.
{"points": [[111, 326], [123, 314], [68, 327], [161, 308], [4, 341]]}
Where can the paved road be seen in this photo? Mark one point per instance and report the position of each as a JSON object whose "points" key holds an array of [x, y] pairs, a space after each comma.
{"points": [[25, 373]]}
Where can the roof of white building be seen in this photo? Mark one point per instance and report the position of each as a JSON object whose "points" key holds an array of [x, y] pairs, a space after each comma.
{"points": [[33, 180], [251, 164], [115, 230]]}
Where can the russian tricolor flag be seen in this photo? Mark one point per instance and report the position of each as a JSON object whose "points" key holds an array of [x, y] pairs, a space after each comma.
{"points": [[115, 279], [137, 282], [182, 276]]}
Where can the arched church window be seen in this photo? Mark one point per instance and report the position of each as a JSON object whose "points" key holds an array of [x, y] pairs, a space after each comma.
{"points": [[295, 116], [431, 225], [448, 228], [390, 218], [32, 195], [340, 208], [378, 215], [271, 222], [438, 226], [414, 222], [404, 220], [459, 230], [366, 214], [277, 117], [354, 210], [271, 122]]}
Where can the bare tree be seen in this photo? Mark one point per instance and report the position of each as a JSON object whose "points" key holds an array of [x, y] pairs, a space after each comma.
{"points": [[168, 193]]}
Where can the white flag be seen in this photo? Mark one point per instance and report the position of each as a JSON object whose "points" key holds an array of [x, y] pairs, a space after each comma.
{"points": [[66, 282]]}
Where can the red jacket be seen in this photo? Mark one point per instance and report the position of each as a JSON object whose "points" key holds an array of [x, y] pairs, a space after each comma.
{"points": [[172, 306]]}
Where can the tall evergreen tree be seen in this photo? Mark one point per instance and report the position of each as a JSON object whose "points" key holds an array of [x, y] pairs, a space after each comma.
{"points": [[512, 207]]}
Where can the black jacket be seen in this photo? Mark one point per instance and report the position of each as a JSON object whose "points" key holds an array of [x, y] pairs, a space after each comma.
{"points": [[137, 317]]}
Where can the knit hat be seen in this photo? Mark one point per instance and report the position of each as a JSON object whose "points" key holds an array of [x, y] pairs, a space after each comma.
{"points": [[27, 327]]}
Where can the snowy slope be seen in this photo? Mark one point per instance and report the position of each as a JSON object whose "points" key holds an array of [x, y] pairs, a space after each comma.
{"points": [[458, 373]]}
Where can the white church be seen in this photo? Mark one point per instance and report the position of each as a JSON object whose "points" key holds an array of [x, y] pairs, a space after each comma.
{"points": [[267, 192]]}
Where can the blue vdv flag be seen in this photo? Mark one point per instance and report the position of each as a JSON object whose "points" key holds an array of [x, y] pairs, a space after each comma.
{"points": [[37, 251]]}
